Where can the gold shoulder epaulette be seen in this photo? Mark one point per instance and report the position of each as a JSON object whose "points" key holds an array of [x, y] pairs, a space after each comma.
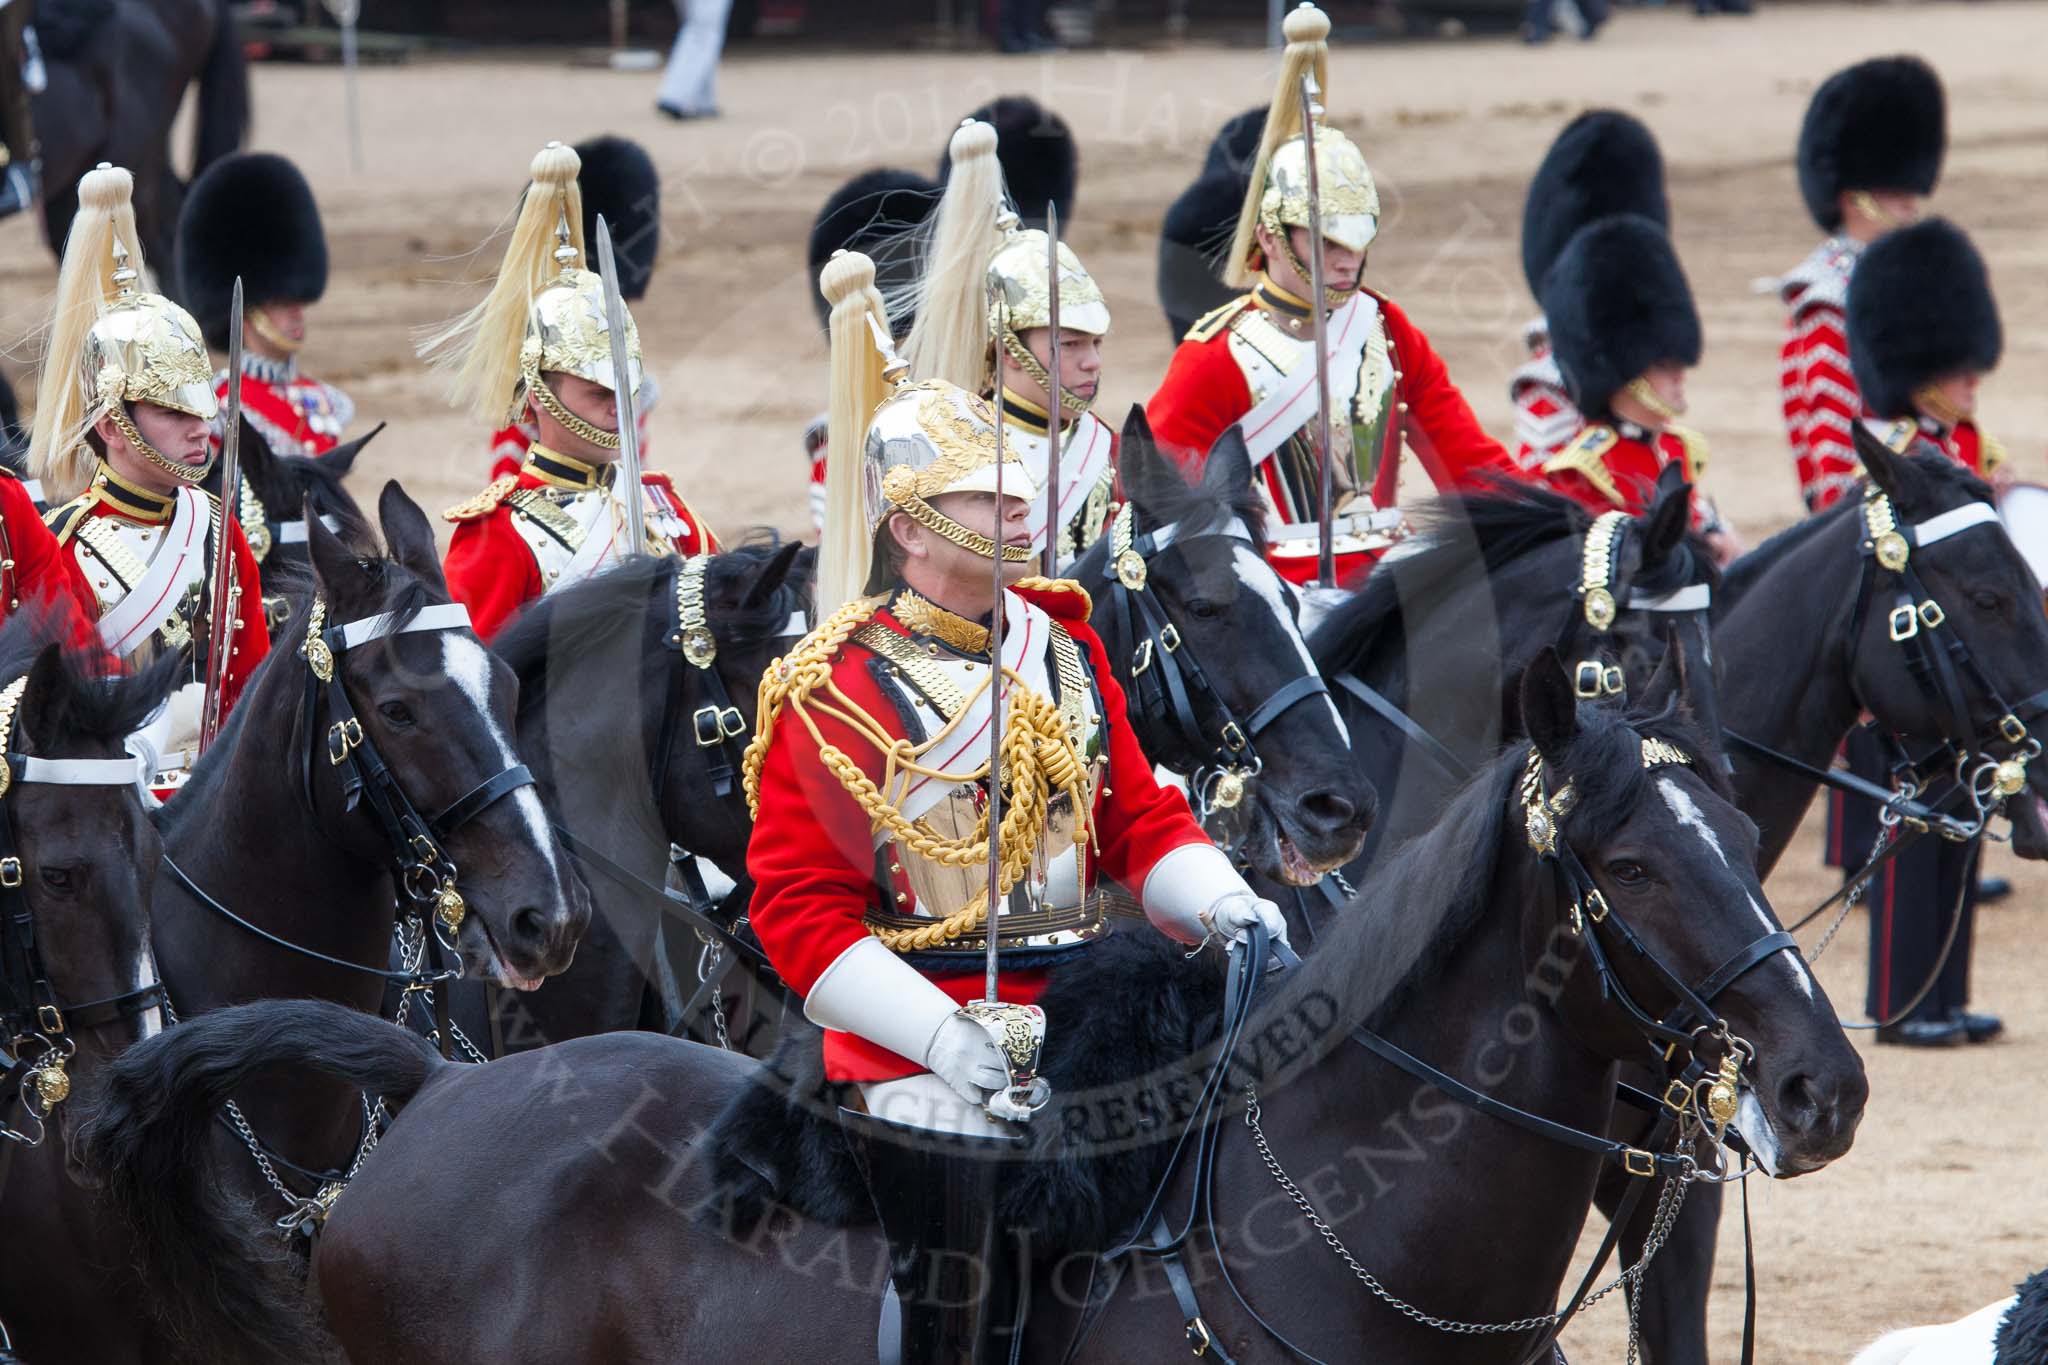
{"points": [[1990, 452], [1213, 322], [1695, 446], [1586, 454], [63, 519], [1082, 604], [484, 503]]}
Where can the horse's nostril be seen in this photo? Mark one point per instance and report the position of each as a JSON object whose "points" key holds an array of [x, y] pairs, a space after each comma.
{"points": [[1327, 810], [531, 925], [1801, 1101]]}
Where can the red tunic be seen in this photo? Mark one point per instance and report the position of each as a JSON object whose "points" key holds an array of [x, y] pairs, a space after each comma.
{"points": [[36, 573], [494, 570], [297, 416], [1817, 389], [813, 857], [250, 641], [1205, 391], [1608, 467]]}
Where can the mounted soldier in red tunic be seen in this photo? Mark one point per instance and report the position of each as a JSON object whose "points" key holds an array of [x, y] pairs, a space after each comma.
{"points": [[1605, 162], [872, 853], [1252, 362], [1870, 151], [538, 345], [122, 442]]}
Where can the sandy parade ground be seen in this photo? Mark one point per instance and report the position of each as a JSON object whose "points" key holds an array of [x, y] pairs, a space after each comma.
{"points": [[1943, 1203]]}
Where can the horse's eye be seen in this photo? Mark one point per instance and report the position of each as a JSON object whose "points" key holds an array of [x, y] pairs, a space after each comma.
{"points": [[1628, 872], [396, 713], [1984, 600], [56, 878], [1202, 609]]}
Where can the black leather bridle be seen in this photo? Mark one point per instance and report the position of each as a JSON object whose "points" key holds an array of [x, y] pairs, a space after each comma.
{"points": [[36, 1026], [1182, 722]]}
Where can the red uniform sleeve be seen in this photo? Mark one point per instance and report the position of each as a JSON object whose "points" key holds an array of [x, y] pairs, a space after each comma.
{"points": [[1203, 393], [44, 576], [250, 643], [1138, 821], [1827, 404], [812, 854], [491, 571], [1441, 428]]}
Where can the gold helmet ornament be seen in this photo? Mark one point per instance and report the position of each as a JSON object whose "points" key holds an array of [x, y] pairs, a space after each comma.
{"points": [[985, 282], [895, 445], [1277, 198], [113, 342], [544, 314]]}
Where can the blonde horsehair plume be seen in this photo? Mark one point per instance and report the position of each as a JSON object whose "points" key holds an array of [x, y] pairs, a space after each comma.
{"points": [[1308, 31], [85, 290], [480, 349], [858, 388], [950, 339]]}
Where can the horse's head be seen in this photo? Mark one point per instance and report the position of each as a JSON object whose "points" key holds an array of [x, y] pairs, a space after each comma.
{"points": [[79, 850], [1207, 644], [1952, 646], [434, 707], [1655, 932], [756, 602]]}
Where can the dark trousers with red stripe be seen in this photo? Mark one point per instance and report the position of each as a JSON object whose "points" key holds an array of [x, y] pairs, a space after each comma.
{"points": [[1912, 901]]}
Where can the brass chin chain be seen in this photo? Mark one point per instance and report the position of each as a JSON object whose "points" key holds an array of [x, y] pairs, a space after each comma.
{"points": [[259, 321], [974, 542], [1931, 400], [1640, 390], [1332, 298], [183, 473], [1031, 365], [578, 427]]}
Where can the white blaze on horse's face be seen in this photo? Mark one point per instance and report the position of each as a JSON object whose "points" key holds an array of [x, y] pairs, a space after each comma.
{"points": [[151, 1020], [1257, 577], [468, 665], [1687, 812]]}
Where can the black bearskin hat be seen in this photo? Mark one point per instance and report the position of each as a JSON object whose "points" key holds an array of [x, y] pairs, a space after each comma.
{"points": [[1040, 162], [618, 180], [1604, 162], [250, 214], [1618, 303], [1196, 234], [1920, 309], [1878, 125], [874, 213]]}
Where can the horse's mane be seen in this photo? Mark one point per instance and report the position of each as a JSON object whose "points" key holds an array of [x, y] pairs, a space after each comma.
{"points": [[91, 703], [566, 624], [1424, 900], [1504, 521]]}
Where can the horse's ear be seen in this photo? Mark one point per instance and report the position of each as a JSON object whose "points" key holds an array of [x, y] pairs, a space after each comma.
{"points": [[1228, 470], [1550, 711], [254, 452], [768, 580], [1142, 468], [1887, 470], [336, 574], [46, 684], [1665, 526], [409, 535], [342, 459]]}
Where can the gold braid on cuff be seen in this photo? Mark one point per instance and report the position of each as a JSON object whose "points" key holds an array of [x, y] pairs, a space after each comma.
{"points": [[1031, 365], [974, 542], [183, 473], [578, 427]]}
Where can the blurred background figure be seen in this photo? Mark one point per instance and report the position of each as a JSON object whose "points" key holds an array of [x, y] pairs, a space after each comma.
{"points": [[21, 75], [689, 87], [1020, 26]]}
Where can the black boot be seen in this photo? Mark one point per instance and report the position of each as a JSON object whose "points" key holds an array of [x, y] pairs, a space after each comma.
{"points": [[954, 1277]]}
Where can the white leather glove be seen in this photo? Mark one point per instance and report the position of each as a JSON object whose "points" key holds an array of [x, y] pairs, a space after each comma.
{"points": [[1194, 891], [964, 1056], [870, 991]]}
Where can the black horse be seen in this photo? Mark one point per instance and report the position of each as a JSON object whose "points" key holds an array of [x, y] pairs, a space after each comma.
{"points": [[1445, 625], [1798, 668], [1471, 958], [283, 862], [77, 979], [117, 75], [1206, 642], [587, 658], [283, 492]]}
